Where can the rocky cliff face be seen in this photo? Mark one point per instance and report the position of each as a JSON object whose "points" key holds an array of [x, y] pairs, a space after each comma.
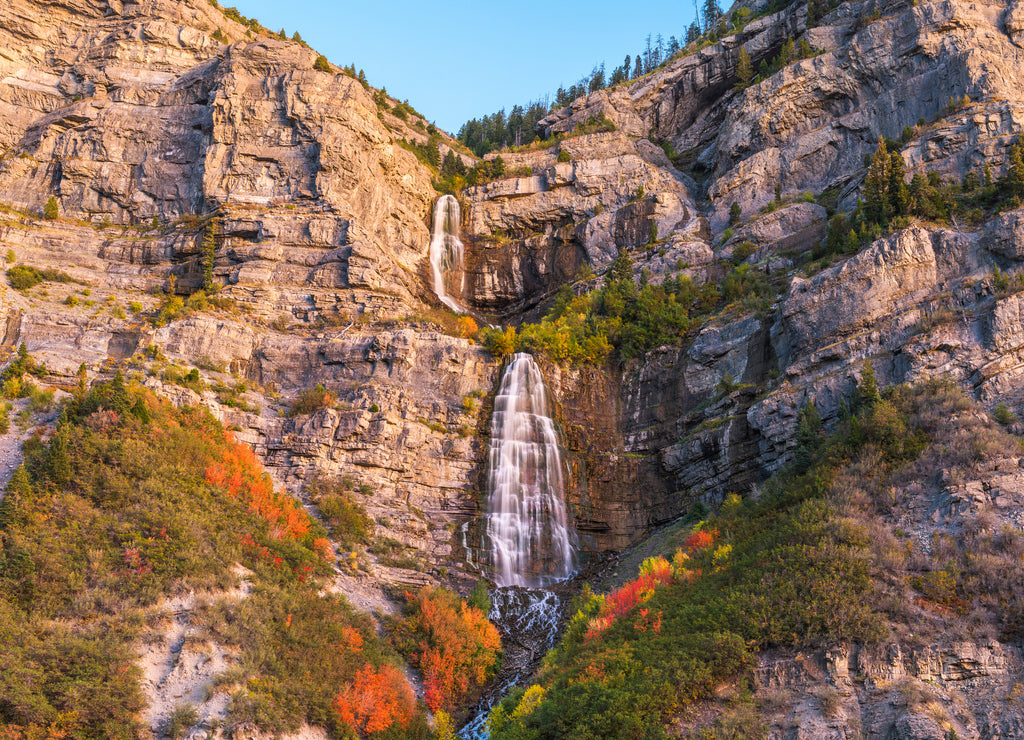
{"points": [[126, 113], [155, 125], [153, 135]]}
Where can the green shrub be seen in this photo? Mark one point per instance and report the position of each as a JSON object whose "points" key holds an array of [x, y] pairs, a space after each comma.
{"points": [[741, 251], [788, 570], [298, 650], [50, 211], [480, 597], [564, 156], [311, 400], [349, 525], [619, 317], [24, 277], [171, 308], [182, 719], [115, 511], [321, 64], [1003, 414]]}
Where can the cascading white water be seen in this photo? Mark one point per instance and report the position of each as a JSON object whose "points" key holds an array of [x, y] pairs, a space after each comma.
{"points": [[446, 248], [530, 541], [527, 526]]}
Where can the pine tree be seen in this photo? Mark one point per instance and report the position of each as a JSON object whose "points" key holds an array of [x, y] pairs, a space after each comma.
{"points": [[209, 255], [83, 379], [805, 49], [852, 242], [433, 154], [58, 461], [808, 436], [788, 53], [744, 68], [1015, 174], [867, 388], [50, 212], [119, 394], [734, 213], [622, 268], [712, 12], [876, 187], [899, 195]]}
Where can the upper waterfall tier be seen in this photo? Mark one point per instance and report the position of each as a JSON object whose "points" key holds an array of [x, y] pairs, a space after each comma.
{"points": [[446, 249]]}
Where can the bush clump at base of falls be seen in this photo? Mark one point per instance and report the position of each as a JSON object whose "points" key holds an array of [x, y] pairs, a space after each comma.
{"points": [[131, 501], [814, 561], [452, 643]]}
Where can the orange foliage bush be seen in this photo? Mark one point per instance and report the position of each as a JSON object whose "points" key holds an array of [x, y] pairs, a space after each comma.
{"points": [[701, 540], [240, 475], [466, 327], [453, 643], [376, 700]]}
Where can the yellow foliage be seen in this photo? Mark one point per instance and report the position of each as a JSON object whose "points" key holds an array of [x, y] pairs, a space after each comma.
{"points": [[721, 555], [530, 701], [466, 327]]}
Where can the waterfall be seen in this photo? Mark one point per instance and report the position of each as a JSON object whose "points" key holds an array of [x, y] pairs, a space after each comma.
{"points": [[530, 541], [446, 247], [527, 526]]}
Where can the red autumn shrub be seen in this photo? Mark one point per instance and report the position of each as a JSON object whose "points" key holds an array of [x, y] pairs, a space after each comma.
{"points": [[453, 644], [376, 700], [656, 571], [701, 540], [239, 473]]}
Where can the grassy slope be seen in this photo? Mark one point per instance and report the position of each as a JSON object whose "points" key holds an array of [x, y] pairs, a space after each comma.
{"points": [[131, 501], [814, 561]]}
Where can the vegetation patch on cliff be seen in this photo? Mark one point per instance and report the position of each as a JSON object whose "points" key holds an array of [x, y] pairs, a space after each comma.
{"points": [[811, 562], [131, 501], [628, 319]]}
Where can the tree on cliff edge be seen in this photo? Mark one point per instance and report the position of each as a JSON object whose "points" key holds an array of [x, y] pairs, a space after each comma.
{"points": [[744, 68], [877, 207]]}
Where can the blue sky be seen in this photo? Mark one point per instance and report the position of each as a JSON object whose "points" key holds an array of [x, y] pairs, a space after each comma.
{"points": [[460, 60]]}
